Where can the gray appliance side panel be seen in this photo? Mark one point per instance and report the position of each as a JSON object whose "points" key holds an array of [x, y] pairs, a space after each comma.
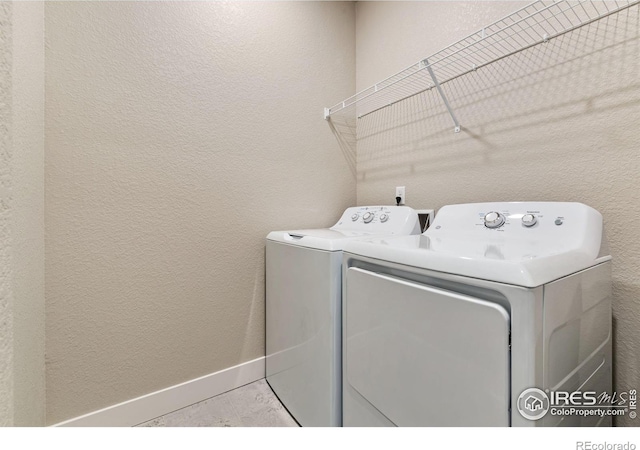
{"points": [[303, 345], [577, 338]]}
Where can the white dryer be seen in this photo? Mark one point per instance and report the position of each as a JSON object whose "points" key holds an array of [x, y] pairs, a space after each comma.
{"points": [[450, 327], [304, 305]]}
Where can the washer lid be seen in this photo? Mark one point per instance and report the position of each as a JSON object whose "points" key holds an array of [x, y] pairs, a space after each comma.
{"points": [[355, 223], [321, 239], [564, 238]]}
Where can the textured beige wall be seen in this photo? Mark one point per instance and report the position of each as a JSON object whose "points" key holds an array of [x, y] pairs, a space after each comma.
{"points": [[556, 122], [177, 136], [22, 396], [6, 263], [28, 213]]}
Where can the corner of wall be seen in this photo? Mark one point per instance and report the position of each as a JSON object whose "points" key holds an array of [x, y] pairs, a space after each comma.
{"points": [[22, 396], [28, 212], [6, 297]]}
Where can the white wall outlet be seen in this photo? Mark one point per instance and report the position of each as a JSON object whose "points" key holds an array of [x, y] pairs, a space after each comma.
{"points": [[400, 193]]}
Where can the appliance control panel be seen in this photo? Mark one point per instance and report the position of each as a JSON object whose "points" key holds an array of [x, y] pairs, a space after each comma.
{"points": [[496, 219], [515, 217], [529, 228], [501, 219], [379, 219]]}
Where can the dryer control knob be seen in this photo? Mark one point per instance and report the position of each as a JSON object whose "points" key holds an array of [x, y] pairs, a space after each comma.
{"points": [[354, 217], [384, 218], [529, 220], [493, 220], [368, 217]]}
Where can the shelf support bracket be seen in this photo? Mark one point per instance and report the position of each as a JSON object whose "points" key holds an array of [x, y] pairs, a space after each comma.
{"points": [[456, 128], [327, 113]]}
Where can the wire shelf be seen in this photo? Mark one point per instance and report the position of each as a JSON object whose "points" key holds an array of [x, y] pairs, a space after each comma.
{"points": [[536, 23]]}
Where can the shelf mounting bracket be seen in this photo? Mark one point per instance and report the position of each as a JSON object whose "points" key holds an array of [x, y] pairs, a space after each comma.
{"points": [[456, 128]]}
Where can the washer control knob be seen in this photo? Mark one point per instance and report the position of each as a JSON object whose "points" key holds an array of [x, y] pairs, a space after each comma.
{"points": [[529, 220], [355, 217], [368, 217], [384, 218], [493, 220]]}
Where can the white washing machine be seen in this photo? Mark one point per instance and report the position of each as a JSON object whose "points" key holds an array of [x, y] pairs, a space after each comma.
{"points": [[449, 327], [303, 309]]}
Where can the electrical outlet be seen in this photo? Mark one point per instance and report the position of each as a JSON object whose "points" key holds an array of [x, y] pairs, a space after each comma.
{"points": [[400, 193]]}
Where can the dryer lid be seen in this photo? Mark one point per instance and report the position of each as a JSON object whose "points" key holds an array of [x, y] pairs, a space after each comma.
{"points": [[564, 238]]}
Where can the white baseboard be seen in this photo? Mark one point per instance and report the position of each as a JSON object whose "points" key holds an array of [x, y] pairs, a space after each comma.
{"points": [[142, 409]]}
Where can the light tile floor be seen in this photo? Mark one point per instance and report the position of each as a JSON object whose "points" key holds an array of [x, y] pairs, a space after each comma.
{"points": [[253, 405]]}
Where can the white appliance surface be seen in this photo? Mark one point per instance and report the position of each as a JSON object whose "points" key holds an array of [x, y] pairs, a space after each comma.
{"points": [[449, 327], [564, 238], [392, 321], [304, 309], [355, 222]]}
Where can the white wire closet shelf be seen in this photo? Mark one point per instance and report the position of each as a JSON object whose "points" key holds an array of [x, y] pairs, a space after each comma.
{"points": [[536, 23]]}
